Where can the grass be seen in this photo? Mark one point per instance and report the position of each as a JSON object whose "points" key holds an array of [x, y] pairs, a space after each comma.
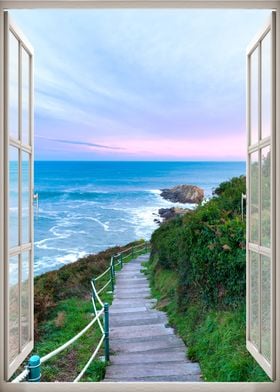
{"points": [[215, 338], [68, 318]]}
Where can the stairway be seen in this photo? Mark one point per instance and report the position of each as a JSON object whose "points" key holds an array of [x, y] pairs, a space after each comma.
{"points": [[143, 347]]}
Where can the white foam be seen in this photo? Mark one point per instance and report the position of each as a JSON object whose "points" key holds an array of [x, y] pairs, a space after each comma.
{"points": [[155, 191], [70, 257]]}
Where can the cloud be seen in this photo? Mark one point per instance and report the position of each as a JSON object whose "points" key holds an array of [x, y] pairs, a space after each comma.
{"points": [[81, 143], [161, 73]]}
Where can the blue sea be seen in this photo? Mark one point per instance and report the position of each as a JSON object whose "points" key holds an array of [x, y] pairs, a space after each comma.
{"points": [[86, 207]]}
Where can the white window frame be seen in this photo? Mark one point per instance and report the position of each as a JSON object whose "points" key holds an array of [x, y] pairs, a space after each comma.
{"points": [[255, 246], [180, 387], [22, 147]]}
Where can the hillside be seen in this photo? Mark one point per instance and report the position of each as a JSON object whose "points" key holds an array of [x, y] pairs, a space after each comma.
{"points": [[198, 273], [63, 308]]}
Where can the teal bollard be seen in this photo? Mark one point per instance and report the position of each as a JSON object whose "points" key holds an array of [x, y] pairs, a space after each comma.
{"points": [[34, 366], [106, 332]]}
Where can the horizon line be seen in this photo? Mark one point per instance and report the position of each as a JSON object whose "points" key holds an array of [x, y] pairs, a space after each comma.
{"points": [[138, 160]]}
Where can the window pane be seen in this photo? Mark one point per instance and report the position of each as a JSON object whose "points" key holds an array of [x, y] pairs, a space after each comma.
{"points": [[254, 298], [254, 202], [13, 86], [25, 97], [25, 197], [13, 308], [254, 94], [266, 197], [266, 306], [266, 86], [25, 299], [13, 197]]}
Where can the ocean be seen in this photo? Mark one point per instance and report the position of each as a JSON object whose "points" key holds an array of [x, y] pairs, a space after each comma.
{"points": [[86, 207]]}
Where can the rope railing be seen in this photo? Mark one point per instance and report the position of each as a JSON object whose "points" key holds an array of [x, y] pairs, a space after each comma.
{"points": [[32, 372]]}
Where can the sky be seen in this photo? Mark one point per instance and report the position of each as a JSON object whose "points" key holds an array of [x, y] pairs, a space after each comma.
{"points": [[140, 84]]}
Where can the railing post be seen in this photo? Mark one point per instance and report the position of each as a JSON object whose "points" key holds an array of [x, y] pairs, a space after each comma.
{"points": [[113, 264], [146, 247], [121, 260], [34, 367], [132, 253], [106, 332], [112, 277]]}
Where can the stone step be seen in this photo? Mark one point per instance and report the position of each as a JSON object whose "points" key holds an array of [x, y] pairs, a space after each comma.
{"points": [[179, 368], [181, 378], [141, 315], [120, 310], [122, 303], [147, 345], [135, 285], [130, 303], [128, 296], [134, 358], [137, 289], [128, 275], [140, 331], [138, 321]]}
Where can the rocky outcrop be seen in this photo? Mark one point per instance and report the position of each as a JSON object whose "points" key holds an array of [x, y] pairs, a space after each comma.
{"points": [[183, 194], [169, 213]]}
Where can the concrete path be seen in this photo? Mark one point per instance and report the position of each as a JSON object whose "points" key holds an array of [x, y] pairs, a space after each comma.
{"points": [[143, 347]]}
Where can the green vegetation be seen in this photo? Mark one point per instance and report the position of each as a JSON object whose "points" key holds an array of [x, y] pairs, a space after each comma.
{"points": [[63, 307], [197, 272]]}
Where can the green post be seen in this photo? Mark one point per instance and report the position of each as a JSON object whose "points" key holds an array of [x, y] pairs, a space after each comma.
{"points": [[114, 270], [106, 332], [34, 366], [121, 260], [112, 277], [132, 253], [146, 247]]}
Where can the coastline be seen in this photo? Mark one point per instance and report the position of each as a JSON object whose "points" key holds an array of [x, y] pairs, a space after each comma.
{"points": [[87, 207]]}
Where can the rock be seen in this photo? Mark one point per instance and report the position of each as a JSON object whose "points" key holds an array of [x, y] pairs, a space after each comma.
{"points": [[183, 194], [169, 213]]}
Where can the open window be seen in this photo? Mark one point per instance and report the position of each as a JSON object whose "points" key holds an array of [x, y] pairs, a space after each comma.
{"points": [[18, 225], [261, 199], [18, 116]]}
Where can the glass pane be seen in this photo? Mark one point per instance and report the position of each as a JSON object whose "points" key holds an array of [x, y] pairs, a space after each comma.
{"points": [[266, 86], [25, 97], [254, 202], [254, 94], [266, 197], [25, 299], [13, 308], [266, 306], [13, 197], [254, 298], [25, 197], [13, 86]]}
